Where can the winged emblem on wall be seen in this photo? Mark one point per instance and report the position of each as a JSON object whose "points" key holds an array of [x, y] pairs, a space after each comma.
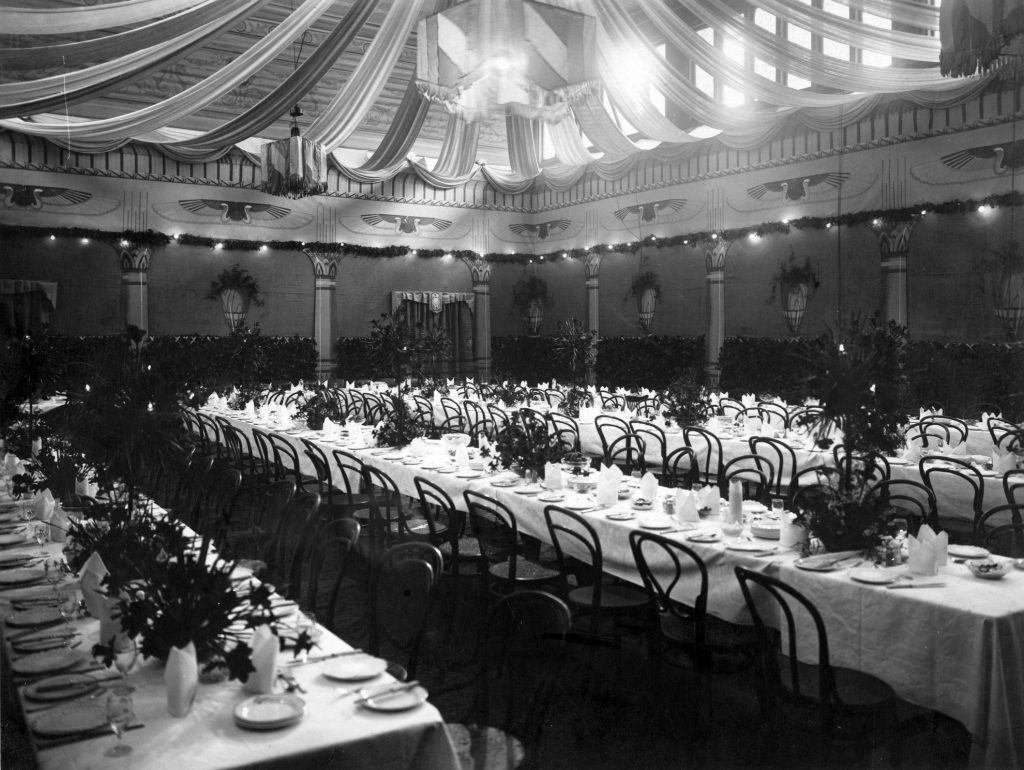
{"points": [[35, 197], [232, 212], [405, 224], [649, 212], [1002, 157], [798, 187], [540, 229]]}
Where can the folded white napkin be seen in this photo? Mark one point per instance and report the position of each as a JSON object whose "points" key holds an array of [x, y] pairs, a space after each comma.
{"points": [[417, 448], [986, 415], [86, 488], [250, 410], [181, 678], [748, 400], [608, 481], [37, 446], [753, 426], [913, 452], [929, 412], [42, 505], [553, 475], [451, 383], [264, 659], [811, 401], [927, 551], [11, 462], [213, 400], [648, 486], [350, 385], [709, 497], [1003, 461], [59, 524], [462, 457], [792, 534], [955, 450], [330, 429], [93, 594], [686, 506]]}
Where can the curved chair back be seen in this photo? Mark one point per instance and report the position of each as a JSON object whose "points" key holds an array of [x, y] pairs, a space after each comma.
{"points": [[681, 469], [950, 478], [755, 472], [609, 428], [333, 547], [629, 452], [654, 438], [401, 595], [783, 463], [907, 499], [1001, 530], [565, 430], [707, 448]]}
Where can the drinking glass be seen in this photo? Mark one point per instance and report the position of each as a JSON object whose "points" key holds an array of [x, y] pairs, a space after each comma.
{"points": [[41, 533], [120, 713], [778, 506], [126, 652]]}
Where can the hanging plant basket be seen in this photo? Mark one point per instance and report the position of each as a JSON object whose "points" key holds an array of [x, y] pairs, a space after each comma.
{"points": [[534, 315], [530, 295], [646, 289], [793, 306], [237, 290], [794, 282]]}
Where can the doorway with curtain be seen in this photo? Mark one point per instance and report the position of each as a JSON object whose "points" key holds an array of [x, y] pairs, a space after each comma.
{"points": [[25, 307], [449, 311]]}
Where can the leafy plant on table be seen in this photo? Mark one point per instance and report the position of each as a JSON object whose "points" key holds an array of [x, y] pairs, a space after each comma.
{"points": [[528, 447], [318, 403], [399, 426], [192, 598], [686, 401]]}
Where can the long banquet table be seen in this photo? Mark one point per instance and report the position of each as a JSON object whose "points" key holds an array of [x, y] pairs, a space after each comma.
{"points": [[334, 732], [958, 649]]}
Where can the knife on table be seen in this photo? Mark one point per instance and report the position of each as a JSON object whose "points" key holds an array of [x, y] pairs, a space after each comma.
{"points": [[934, 584], [388, 691], [318, 658], [99, 732]]}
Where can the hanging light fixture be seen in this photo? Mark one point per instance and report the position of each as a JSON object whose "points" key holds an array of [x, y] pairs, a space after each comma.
{"points": [[294, 167], [488, 58]]}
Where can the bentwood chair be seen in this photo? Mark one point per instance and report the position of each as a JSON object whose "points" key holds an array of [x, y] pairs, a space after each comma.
{"points": [[833, 702], [681, 469], [656, 443], [595, 599], [873, 467], [507, 568], [906, 499], [1013, 486], [953, 482], [401, 597], [524, 660], [755, 473], [998, 426], [707, 448], [287, 465], [783, 459], [390, 516], [329, 561], [628, 451], [478, 422], [609, 427], [565, 430], [1001, 530]]}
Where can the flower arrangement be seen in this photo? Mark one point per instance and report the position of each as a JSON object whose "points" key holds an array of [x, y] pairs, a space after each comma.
{"points": [[56, 466], [190, 598], [686, 401], [238, 278], [792, 273], [642, 281], [576, 348], [509, 393], [127, 541], [845, 517], [574, 398], [316, 405], [529, 448], [399, 426]]}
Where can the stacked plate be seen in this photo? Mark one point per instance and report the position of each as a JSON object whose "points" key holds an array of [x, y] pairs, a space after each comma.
{"points": [[269, 712]]}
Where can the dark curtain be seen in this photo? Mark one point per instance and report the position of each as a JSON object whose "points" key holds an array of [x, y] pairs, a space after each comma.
{"points": [[457, 320], [24, 313]]}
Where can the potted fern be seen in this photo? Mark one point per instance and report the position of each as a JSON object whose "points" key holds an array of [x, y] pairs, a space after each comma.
{"points": [[794, 282], [237, 290], [646, 289], [529, 296]]}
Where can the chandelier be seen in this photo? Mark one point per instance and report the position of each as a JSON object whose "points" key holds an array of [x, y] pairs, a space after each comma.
{"points": [[489, 58], [294, 167]]}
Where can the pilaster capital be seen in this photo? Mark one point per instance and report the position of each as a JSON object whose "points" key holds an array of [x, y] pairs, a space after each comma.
{"points": [[133, 258], [894, 238], [325, 263], [715, 252], [592, 266], [479, 269]]}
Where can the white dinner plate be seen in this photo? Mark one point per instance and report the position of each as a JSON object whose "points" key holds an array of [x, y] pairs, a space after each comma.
{"points": [[16, 537], [269, 712], [468, 475], [15, 559], [11, 577], [765, 532], [240, 573], [354, 668], [394, 457], [412, 461], [447, 469], [61, 687], [70, 718], [627, 516], [37, 616], [531, 489], [551, 497], [580, 506], [749, 547], [704, 537], [403, 700], [657, 524], [967, 551], [430, 465], [50, 660], [874, 576], [753, 506], [828, 562]]}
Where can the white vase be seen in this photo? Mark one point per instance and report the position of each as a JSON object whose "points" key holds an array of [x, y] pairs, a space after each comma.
{"points": [[181, 678], [645, 305], [794, 305], [235, 306]]}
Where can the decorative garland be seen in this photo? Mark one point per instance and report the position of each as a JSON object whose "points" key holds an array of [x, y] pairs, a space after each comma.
{"points": [[151, 238]]}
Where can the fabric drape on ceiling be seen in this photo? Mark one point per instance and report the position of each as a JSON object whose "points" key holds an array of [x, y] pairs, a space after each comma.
{"points": [[600, 129], [910, 13], [60, 21], [523, 136], [350, 105], [457, 160], [82, 51], [102, 132], [289, 92], [568, 144], [58, 91], [402, 132]]}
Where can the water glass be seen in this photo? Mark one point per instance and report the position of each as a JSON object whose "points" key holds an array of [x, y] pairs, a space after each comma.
{"points": [[778, 506], [120, 713]]}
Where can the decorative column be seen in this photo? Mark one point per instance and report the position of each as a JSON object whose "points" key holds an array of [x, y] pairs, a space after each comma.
{"points": [[135, 282], [325, 275], [894, 245], [714, 263], [480, 272], [592, 270]]}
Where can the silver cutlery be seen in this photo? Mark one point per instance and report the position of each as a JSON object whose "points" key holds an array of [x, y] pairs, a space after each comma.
{"points": [[378, 690], [318, 658], [99, 732], [933, 584]]}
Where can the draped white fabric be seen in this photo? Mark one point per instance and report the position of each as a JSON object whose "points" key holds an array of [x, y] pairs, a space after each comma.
{"points": [[351, 103], [74, 54], [432, 298], [590, 138], [191, 99], [59, 21]]}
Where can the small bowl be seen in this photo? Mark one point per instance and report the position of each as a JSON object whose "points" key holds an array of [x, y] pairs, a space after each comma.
{"points": [[643, 504], [989, 569]]}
